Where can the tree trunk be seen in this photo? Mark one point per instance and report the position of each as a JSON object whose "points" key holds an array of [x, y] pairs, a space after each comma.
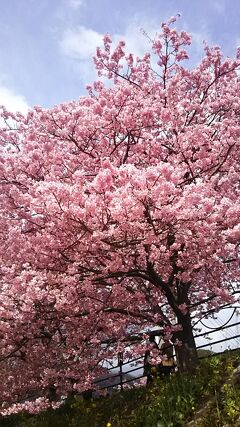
{"points": [[186, 353]]}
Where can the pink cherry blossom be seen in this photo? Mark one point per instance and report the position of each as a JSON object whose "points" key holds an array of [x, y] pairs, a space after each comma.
{"points": [[119, 215]]}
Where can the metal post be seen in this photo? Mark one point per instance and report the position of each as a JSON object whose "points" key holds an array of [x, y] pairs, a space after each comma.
{"points": [[120, 363]]}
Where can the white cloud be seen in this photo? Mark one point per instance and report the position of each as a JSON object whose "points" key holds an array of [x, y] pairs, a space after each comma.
{"points": [[136, 42], [75, 4], [80, 43], [196, 50], [12, 101], [198, 39], [79, 46]]}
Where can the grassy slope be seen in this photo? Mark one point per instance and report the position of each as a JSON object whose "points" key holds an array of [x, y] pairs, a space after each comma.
{"points": [[207, 398]]}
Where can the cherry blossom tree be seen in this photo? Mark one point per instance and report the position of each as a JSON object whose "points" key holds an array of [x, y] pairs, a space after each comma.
{"points": [[119, 215]]}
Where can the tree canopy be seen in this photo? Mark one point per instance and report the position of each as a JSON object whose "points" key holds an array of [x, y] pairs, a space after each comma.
{"points": [[119, 213]]}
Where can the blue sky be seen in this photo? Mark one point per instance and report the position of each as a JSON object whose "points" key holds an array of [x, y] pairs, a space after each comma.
{"points": [[46, 46]]}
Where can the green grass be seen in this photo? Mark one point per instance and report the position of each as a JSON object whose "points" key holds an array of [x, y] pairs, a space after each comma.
{"points": [[167, 402]]}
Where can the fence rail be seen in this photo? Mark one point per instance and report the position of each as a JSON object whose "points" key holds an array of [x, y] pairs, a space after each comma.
{"points": [[233, 338]]}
